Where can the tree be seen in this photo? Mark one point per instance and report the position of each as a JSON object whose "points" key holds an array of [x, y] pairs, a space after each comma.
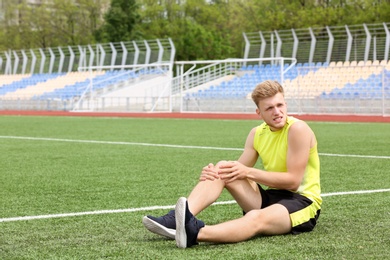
{"points": [[76, 22], [200, 29], [197, 28], [50, 23], [120, 21]]}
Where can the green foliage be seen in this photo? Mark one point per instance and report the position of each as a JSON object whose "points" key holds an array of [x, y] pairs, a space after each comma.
{"points": [[50, 24], [195, 27], [200, 29], [120, 20], [199, 43]]}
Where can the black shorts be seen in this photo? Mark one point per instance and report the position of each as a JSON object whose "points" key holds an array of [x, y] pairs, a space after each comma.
{"points": [[303, 212]]}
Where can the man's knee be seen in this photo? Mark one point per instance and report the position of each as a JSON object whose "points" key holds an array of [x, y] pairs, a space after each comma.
{"points": [[268, 222], [255, 219]]}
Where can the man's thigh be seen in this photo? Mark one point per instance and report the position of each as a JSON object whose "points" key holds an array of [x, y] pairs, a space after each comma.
{"points": [[246, 193]]}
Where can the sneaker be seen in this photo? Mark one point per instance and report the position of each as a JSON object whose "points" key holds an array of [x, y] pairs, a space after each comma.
{"points": [[163, 226], [187, 226]]}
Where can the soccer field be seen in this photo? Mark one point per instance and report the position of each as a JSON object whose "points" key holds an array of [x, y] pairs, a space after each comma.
{"points": [[78, 187]]}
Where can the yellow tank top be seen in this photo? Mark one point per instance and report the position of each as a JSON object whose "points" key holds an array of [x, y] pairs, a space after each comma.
{"points": [[272, 149]]}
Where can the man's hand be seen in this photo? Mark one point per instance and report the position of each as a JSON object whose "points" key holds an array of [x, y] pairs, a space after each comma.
{"points": [[232, 170], [209, 172]]}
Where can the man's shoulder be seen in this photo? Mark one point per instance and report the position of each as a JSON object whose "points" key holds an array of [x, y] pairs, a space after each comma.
{"points": [[300, 129], [297, 123]]}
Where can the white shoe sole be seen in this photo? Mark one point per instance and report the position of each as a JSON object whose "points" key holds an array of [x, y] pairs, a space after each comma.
{"points": [[158, 229], [180, 216]]}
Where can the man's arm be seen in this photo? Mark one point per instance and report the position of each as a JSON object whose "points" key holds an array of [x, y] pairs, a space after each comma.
{"points": [[249, 156], [300, 139]]}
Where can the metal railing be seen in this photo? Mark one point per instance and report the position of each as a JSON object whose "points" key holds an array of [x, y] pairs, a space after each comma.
{"points": [[360, 42]]}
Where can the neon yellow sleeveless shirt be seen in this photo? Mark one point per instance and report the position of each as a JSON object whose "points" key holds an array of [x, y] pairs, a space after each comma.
{"points": [[272, 149]]}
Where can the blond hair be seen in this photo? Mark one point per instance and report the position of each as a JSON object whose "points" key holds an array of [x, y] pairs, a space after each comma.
{"points": [[265, 89]]}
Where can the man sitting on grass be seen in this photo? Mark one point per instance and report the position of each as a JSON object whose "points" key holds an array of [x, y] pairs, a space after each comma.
{"points": [[289, 199]]}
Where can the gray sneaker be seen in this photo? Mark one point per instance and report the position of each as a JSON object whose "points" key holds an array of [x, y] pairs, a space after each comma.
{"points": [[187, 226], [164, 226]]}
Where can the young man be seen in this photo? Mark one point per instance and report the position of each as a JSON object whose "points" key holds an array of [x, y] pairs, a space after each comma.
{"points": [[291, 201]]}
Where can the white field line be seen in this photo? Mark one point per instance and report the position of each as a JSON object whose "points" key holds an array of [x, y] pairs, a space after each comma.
{"points": [[97, 212], [171, 146], [158, 145], [119, 143]]}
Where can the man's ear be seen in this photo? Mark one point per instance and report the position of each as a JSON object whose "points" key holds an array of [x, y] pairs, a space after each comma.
{"points": [[258, 113]]}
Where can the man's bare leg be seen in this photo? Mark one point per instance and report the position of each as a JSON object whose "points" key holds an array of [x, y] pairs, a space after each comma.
{"points": [[273, 220], [204, 194]]}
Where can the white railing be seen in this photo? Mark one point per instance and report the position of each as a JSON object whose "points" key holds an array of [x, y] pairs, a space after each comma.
{"points": [[214, 70], [209, 86], [92, 100]]}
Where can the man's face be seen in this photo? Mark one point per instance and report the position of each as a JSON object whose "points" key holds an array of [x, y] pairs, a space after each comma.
{"points": [[273, 111]]}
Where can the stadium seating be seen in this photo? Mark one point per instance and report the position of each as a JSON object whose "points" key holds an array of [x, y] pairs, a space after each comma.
{"points": [[20, 83], [77, 88], [337, 80], [60, 85]]}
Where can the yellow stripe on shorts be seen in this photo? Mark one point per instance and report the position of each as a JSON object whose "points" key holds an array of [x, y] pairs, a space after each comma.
{"points": [[304, 215]]}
